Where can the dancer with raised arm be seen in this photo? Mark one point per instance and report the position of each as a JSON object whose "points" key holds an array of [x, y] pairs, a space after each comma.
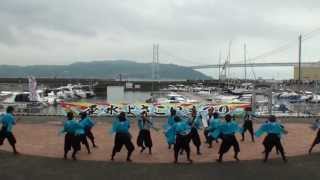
{"points": [[195, 123], [226, 131], [274, 131], [144, 139]]}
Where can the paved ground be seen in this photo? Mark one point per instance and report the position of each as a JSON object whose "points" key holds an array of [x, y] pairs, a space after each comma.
{"points": [[39, 168], [42, 139]]}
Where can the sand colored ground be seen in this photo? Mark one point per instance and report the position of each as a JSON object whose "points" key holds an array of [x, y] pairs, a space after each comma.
{"points": [[42, 139]]}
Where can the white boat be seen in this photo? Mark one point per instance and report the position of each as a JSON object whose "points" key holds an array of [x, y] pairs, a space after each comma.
{"points": [[83, 91], [175, 98], [22, 103], [315, 99], [65, 92], [224, 98]]}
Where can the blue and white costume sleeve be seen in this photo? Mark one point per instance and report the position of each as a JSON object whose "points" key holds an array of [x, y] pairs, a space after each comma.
{"points": [[270, 128], [182, 128], [198, 122], [214, 123], [170, 122], [72, 127], [227, 128], [120, 126], [170, 135]]}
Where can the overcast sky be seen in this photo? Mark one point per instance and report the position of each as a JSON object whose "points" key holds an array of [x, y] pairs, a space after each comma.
{"points": [[189, 31]]}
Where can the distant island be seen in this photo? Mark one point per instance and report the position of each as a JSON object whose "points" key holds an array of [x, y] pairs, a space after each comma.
{"points": [[102, 69]]}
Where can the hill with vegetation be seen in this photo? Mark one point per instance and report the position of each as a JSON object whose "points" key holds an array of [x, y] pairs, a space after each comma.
{"points": [[103, 69]]}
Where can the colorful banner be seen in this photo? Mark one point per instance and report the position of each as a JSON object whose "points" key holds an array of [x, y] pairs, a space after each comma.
{"points": [[152, 109]]}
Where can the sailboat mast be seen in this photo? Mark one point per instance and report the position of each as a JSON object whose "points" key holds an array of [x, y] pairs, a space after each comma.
{"points": [[245, 62]]}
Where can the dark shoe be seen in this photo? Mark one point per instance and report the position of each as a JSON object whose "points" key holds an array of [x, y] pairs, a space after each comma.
{"points": [[142, 149], [236, 158], [285, 160]]}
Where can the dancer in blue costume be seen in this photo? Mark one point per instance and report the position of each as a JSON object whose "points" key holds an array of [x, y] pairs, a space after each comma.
{"points": [[181, 130], [274, 131], [170, 137], [73, 131], [316, 127], [82, 133], [8, 121], [247, 124], [195, 123], [226, 131], [88, 124], [120, 127], [144, 138], [213, 124], [206, 130]]}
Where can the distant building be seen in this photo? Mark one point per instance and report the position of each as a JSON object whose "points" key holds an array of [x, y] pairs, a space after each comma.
{"points": [[308, 72]]}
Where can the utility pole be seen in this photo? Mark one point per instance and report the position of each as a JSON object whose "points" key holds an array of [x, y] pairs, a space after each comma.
{"points": [[219, 68], [155, 67], [299, 82], [245, 62], [299, 77], [228, 62]]}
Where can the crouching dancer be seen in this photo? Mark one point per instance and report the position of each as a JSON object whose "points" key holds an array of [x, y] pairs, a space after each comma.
{"points": [[8, 121], [226, 131], [121, 126], [72, 137], [274, 131]]}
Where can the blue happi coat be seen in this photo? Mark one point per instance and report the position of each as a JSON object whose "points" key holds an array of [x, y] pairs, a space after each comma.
{"points": [[72, 127], [179, 128], [213, 124], [226, 128], [8, 121], [87, 123], [144, 126], [270, 128], [120, 126], [197, 123]]}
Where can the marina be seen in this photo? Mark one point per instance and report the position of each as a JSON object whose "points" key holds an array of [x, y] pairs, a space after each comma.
{"points": [[226, 97]]}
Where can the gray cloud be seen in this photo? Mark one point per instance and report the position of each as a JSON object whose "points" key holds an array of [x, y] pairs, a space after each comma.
{"points": [[65, 31]]}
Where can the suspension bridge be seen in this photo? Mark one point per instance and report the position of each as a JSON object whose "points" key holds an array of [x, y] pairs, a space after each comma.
{"points": [[235, 65]]}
